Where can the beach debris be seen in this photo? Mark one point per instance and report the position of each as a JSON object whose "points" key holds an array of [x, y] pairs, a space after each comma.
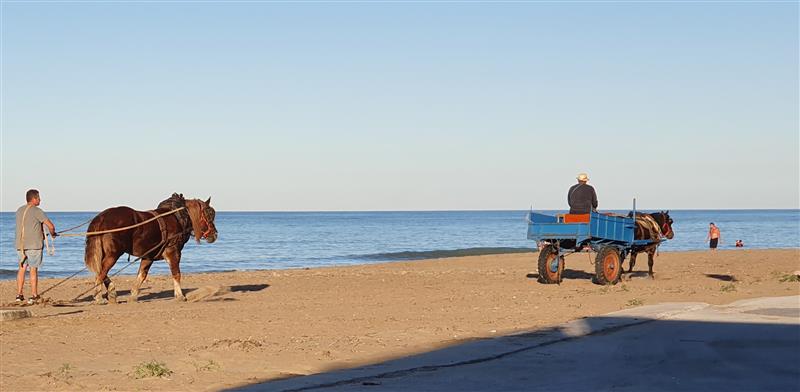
{"points": [[14, 314], [207, 292]]}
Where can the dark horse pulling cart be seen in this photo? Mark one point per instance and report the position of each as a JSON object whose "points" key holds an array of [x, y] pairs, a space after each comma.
{"points": [[612, 236]]}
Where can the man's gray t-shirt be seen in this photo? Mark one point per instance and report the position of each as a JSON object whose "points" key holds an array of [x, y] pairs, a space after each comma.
{"points": [[33, 227]]}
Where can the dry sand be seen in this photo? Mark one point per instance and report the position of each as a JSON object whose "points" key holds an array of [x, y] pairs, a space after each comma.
{"points": [[243, 327]]}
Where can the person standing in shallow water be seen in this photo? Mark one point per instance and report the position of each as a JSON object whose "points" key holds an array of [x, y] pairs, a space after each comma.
{"points": [[28, 242], [581, 197], [713, 236]]}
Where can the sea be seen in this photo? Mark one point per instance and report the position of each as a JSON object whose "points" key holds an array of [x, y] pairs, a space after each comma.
{"points": [[283, 240]]}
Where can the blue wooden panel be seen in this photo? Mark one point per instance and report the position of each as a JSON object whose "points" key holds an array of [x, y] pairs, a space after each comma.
{"points": [[559, 231], [541, 218], [546, 227], [612, 228]]}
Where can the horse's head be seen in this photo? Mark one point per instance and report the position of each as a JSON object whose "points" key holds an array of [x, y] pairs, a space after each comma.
{"points": [[202, 215], [664, 223]]}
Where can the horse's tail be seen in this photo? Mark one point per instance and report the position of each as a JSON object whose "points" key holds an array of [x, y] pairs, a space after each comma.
{"points": [[93, 257]]}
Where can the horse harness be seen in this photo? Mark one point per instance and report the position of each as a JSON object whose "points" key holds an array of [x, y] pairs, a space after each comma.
{"points": [[652, 226], [166, 240]]}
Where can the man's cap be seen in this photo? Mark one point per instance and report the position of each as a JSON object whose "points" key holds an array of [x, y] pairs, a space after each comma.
{"points": [[583, 177]]}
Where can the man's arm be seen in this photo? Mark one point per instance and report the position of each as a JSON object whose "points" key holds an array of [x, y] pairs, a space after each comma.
{"points": [[42, 217], [50, 226], [594, 199]]}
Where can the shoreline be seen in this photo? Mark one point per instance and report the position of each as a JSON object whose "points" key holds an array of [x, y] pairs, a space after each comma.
{"points": [[10, 274], [239, 328]]}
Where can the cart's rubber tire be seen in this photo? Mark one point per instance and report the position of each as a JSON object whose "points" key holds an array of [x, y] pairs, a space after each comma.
{"points": [[547, 257], [608, 265]]}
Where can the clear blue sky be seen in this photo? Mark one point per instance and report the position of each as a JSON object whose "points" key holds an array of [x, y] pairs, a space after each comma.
{"points": [[392, 106]]}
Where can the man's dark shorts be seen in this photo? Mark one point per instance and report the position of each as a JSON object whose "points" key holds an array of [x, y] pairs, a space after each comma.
{"points": [[713, 243]]}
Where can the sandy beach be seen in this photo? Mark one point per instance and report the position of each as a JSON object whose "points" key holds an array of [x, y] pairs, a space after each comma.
{"points": [[240, 328]]}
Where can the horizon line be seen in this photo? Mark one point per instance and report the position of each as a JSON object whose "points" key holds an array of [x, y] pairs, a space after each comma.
{"points": [[468, 210]]}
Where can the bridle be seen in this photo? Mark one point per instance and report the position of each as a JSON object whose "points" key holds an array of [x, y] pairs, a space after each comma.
{"points": [[204, 220], [666, 228]]}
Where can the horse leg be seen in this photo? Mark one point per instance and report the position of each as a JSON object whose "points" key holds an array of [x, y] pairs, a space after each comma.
{"points": [[632, 262], [650, 261], [144, 268], [98, 289], [103, 281], [174, 258], [111, 290]]}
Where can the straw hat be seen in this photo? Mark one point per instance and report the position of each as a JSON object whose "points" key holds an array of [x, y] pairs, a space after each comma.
{"points": [[583, 177]]}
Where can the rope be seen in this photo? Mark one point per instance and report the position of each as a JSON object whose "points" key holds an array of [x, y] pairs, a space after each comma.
{"points": [[163, 242], [49, 249], [63, 280], [75, 227], [50, 244], [88, 233]]}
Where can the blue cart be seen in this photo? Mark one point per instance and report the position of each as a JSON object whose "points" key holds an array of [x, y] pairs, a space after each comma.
{"points": [[610, 235]]}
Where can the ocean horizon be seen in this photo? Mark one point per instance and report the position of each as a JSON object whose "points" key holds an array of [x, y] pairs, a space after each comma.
{"points": [[266, 240]]}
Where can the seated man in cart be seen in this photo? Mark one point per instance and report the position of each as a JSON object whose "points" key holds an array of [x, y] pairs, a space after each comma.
{"points": [[582, 198]]}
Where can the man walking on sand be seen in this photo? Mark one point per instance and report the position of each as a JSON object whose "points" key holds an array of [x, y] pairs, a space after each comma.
{"points": [[713, 236], [28, 242], [581, 197]]}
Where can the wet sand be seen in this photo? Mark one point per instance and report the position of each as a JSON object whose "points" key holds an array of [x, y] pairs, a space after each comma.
{"points": [[243, 327]]}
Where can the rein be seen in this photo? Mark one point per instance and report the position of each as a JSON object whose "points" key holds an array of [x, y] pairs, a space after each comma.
{"points": [[160, 244], [88, 233]]}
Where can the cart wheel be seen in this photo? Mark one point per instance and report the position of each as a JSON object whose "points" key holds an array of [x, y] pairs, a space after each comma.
{"points": [[608, 265], [550, 265]]}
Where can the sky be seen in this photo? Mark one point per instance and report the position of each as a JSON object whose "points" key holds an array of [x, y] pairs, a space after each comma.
{"points": [[331, 106]]}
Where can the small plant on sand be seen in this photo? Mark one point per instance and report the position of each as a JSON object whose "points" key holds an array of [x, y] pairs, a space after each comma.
{"points": [[727, 288], [63, 373], [65, 369], [151, 369], [635, 302], [790, 278], [623, 287]]}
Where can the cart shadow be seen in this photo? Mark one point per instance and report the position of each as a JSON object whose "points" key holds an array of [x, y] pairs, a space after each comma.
{"points": [[567, 274], [724, 278]]}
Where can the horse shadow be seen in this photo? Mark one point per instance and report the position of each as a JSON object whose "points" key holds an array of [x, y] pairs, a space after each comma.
{"points": [[169, 294], [635, 274]]}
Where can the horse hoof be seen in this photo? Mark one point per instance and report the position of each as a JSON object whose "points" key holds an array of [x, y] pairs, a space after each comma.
{"points": [[180, 299], [133, 299]]}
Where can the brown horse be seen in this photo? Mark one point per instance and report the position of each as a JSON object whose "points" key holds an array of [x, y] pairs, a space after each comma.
{"points": [[652, 227], [159, 239]]}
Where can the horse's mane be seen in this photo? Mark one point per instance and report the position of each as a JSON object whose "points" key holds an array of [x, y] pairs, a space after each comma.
{"points": [[173, 202], [177, 201]]}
